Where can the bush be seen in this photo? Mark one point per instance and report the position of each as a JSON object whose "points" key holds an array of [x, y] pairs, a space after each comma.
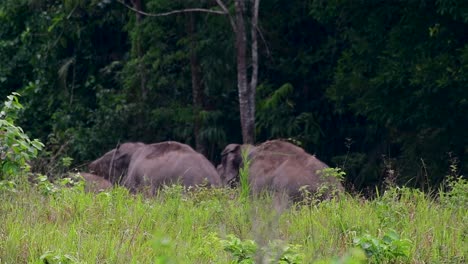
{"points": [[388, 248], [16, 149]]}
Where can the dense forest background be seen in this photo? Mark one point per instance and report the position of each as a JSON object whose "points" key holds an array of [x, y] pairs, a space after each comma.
{"points": [[379, 88]]}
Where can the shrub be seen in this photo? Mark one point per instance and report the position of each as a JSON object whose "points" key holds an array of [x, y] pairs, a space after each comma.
{"points": [[16, 149], [456, 196], [388, 248]]}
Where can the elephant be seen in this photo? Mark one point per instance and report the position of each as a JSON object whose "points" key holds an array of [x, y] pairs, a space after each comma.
{"points": [[278, 166], [114, 164], [139, 166], [95, 183]]}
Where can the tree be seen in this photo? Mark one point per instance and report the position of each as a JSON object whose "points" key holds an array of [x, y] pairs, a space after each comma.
{"points": [[246, 88], [403, 70]]}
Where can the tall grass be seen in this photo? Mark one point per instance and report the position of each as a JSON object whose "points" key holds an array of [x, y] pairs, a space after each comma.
{"points": [[178, 226]]}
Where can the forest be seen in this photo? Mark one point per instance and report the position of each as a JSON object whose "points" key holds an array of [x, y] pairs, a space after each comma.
{"points": [[377, 88]]}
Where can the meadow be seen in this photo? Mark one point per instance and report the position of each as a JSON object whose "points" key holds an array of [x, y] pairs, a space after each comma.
{"points": [[61, 223]]}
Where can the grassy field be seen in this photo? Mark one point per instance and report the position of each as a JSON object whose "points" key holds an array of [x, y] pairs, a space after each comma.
{"points": [[48, 224]]}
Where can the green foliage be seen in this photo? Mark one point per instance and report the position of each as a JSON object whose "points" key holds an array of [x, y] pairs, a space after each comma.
{"points": [[399, 63], [163, 245], [353, 256], [45, 186], [327, 189], [244, 175], [16, 149], [51, 257], [7, 186], [389, 248], [243, 251], [284, 254], [390, 76], [336, 173], [48, 188], [277, 116], [181, 226], [457, 194]]}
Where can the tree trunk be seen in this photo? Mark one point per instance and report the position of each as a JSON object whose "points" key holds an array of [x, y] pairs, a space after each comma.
{"points": [[141, 67], [197, 86], [254, 51], [246, 106]]}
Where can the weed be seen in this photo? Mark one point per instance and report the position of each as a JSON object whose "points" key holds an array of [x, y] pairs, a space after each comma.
{"points": [[332, 173], [45, 186], [456, 196], [328, 188], [243, 251], [8, 185], [51, 257], [185, 227], [388, 248]]}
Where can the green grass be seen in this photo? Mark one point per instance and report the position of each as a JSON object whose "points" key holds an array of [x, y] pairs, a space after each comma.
{"points": [[72, 226]]}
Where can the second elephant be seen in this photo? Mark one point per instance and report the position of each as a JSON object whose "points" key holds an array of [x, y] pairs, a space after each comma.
{"points": [[278, 166], [138, 166]]}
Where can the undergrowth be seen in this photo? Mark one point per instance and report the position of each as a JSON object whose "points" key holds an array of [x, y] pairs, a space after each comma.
{"points": [[60, 223]]}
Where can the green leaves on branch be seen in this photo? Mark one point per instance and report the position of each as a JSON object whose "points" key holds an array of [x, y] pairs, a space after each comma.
{"points": [[16, 149]]}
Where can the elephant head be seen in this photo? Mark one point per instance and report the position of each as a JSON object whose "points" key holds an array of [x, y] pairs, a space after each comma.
{"points": [[114, 164], [231, 163]]}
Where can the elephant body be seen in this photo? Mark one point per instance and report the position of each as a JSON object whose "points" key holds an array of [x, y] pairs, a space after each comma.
{"points": [[278, 166], [138, 166], [95, 183]]}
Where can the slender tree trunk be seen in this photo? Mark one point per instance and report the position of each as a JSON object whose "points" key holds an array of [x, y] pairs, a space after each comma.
{"points": [[246, 107], [197, 86], [254, 51], [137, 4]]}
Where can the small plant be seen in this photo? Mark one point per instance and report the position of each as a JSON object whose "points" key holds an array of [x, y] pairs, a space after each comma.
{"points": [[457, 194], [327, 189], [276, 252], [390, 247], [8, 185], [332, 172], [51, 257], [45, 186], [16, 149], [243, 251], [66, 162], [284, 254]]}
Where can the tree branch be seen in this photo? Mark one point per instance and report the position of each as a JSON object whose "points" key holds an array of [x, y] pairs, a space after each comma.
{"points": [[231, 20], [253, 32], [202, 10], [259, 30]]}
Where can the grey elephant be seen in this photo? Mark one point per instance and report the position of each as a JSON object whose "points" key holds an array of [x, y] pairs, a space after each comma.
{"points": [[278, 166], [95, 183], [138, 166], [113, 165]]}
